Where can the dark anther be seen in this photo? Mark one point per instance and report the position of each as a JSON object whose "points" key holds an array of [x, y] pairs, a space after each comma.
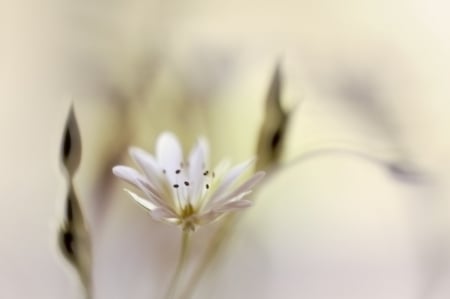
{"points": [[177, 171], [206, 172], [207, 186], [176, 186], [186, 183], [164, 171]]}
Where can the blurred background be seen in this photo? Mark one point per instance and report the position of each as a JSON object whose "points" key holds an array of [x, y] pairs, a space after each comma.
{"points": [[358, 206]]}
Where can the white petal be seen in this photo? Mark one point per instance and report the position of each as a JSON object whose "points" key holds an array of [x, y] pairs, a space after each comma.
{"points": [[157, 212], [198, 160], [142, 201], [234, 205], [133, 177], [242, 189], [161, 214], [216, 213], [230, 199], [169, 154], [150, 167], [221, 168], [200, 152], [217, 175], [249, 184], [208, 217], [127, 174], [153, 195], [231, 177]]}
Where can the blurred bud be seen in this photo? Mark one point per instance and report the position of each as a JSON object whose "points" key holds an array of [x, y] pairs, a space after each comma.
{"points": [[74, 241], [71, 145], [273, 129], [73, 236]]}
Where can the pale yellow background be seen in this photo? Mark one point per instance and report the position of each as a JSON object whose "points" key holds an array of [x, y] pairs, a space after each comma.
{"points": [[332, 227]]}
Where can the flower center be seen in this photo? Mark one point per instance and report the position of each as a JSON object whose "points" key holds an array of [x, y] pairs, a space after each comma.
{"points": [[187, 221], [182, 184]]}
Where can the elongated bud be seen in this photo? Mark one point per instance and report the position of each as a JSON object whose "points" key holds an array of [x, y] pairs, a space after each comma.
{"points": [[71, 144], [73, 235], [273, 128], [74, 241]]}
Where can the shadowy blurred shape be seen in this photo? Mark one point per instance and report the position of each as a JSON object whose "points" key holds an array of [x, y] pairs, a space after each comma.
{"points": [[274, 125], [73, 236], [71, 146]]}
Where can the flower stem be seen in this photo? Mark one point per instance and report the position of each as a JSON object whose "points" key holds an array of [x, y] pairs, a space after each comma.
{"points": [[171, 290], [213, 250], [89, 293]]}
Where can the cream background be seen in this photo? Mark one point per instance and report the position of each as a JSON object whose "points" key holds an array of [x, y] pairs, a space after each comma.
{"points": [[332, 227]]}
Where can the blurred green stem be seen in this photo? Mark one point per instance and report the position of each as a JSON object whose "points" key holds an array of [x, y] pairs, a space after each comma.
{"points": [[171, 290]]}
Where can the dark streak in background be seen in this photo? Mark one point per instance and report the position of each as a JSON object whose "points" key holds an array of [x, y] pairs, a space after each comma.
{"points": [[73, 236], [274, 125]]}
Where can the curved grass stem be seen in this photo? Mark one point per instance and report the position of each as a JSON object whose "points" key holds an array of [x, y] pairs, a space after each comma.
{"points": [[216, 244]]}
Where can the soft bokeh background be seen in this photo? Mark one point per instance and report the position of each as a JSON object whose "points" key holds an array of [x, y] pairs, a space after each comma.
{"points": [[369, 75]]}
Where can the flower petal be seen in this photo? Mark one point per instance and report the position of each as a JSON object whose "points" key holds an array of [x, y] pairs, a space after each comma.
{"points": [[150, 167], [244, 188], [157, 212], [208, 217], [169, 154], [231, 177], [234, 205], [198, 160], [142, 201], [230, 199], [161, 214], [153, 196], [127, 174], [168, 150], [221, 168]]}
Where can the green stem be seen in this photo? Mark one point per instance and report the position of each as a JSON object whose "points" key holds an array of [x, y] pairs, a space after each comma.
{"points": [[89, 294], [215, 246], [171, 290]]}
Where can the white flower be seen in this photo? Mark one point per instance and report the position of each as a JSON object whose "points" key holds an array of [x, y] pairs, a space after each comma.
{"points": [[186, 193]]}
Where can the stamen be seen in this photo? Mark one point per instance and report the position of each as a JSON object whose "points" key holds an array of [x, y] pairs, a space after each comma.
{"points": [[207, 186], [186, 183], [206, 172], [177, 171], [176, 185]]}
